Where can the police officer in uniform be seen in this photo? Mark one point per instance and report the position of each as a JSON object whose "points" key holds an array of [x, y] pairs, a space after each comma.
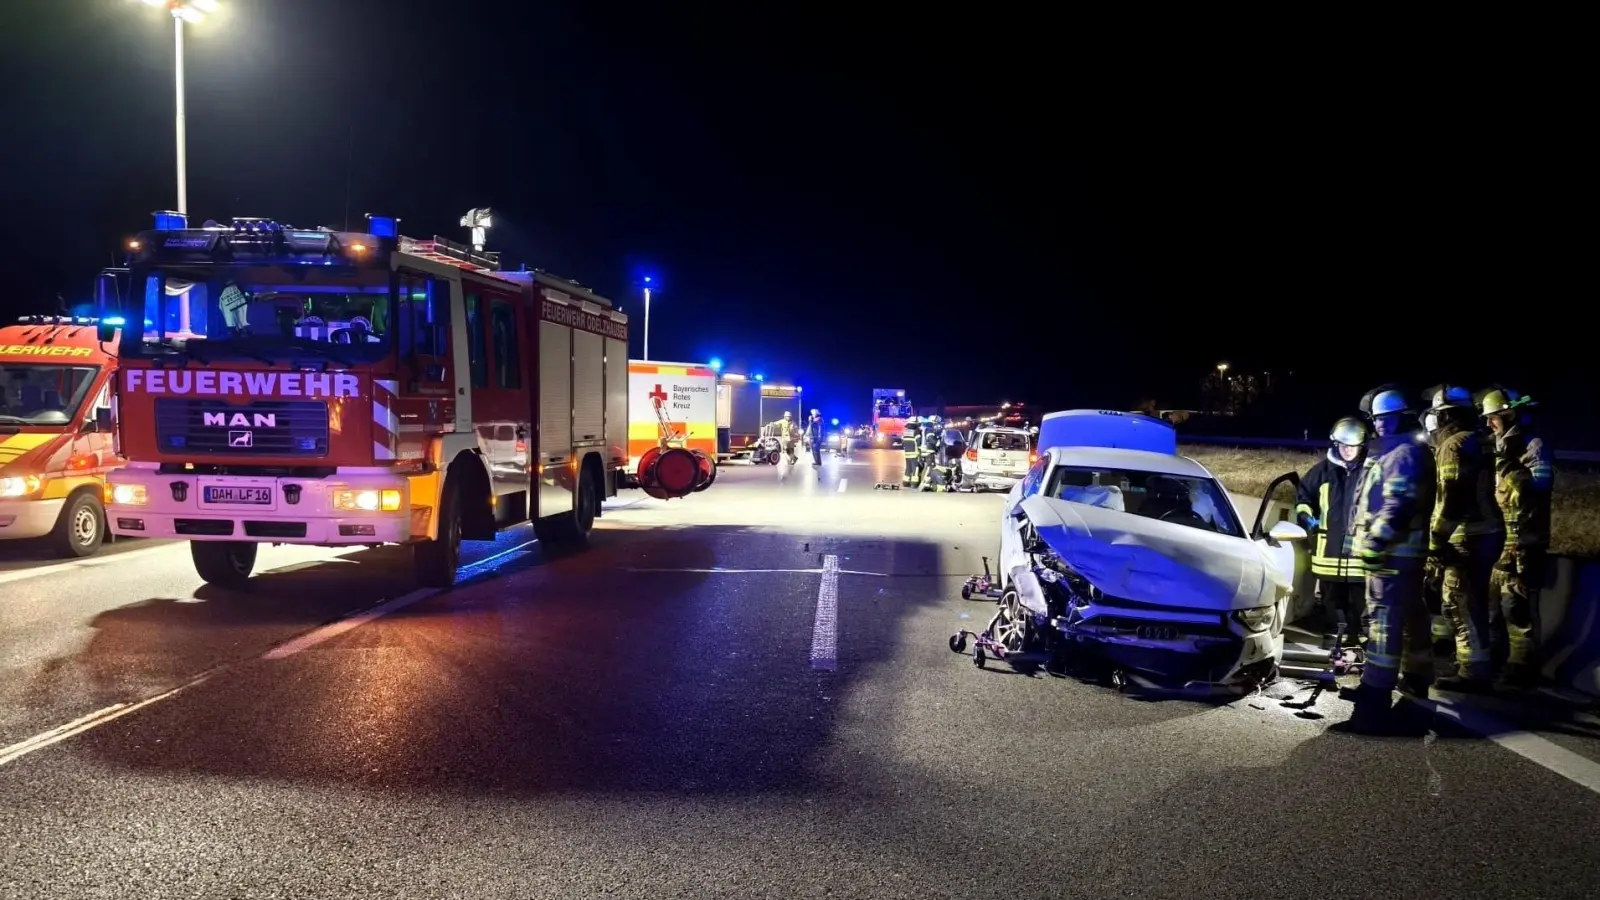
{"points": [[1325, 504], [1394, 501], [1465, 535], [911, 447], [1524, 480]]}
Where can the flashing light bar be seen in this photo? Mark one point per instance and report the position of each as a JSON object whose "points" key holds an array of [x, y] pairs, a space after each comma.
{"points": [[383, 226], [66, 320], [167, 220], [732, 376]]}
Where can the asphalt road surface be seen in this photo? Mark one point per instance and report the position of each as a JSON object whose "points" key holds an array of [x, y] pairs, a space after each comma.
{"points": [[746, 693]]}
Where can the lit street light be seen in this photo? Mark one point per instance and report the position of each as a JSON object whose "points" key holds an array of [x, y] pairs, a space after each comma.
{"points": [[191, 11], [647, 318]]}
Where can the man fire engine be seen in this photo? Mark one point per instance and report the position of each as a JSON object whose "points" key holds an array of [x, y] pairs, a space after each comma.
{"points": [[54, 453], [336, 388]]}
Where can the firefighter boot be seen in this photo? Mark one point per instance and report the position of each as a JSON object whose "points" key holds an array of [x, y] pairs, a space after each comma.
{"points": [[1414, 685], [1372, 712]]}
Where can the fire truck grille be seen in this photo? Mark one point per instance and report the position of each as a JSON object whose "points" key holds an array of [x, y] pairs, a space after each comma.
{"points": [[295, 428]]}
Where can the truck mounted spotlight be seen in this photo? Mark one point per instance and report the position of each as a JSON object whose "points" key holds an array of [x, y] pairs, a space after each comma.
{"points": [[479, 221]]}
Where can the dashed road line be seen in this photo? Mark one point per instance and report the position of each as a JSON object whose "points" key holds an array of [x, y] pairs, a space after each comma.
{"points": [[842, 483], [288, 648]]}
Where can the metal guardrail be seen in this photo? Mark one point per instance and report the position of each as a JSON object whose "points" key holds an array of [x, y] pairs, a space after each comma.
{"points": [[1577, 456]]}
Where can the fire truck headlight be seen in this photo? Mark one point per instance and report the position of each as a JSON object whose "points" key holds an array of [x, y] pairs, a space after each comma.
{"points": [[367, 501], [129, 495], [19, 486]]}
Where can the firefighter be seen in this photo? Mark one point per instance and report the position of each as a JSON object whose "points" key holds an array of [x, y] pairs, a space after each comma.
{"points": [[1325, 504], [1524, 481], [911, 447], [787, 433], [1465, 536], [814, 437], [1394, 499], [932, 435]]}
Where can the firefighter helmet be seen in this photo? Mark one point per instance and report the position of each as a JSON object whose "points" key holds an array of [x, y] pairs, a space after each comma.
{"points": [[1448, 396], [1504, 400], [1389, 402], [1349, 431]]}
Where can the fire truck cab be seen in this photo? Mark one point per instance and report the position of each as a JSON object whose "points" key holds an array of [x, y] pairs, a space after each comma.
{"points": [[336, 388], [55, 376]]}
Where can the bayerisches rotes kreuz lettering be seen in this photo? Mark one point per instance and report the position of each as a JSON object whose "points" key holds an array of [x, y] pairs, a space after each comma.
{"points": [[578, 318], [209, 383]]}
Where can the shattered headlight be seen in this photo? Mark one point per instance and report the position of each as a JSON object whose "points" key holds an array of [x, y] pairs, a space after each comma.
{"points": [[1257, 619]]}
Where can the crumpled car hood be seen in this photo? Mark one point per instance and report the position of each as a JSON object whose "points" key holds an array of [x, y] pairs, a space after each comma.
{"points": [[1149, 561]]}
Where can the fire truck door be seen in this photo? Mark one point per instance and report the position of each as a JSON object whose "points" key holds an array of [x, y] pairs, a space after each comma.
{"points": [[501, 411], [427, 383], [557, 475]]}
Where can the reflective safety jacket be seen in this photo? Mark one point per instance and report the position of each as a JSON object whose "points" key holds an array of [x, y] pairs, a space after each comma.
{"points": [[1327, 493], [1524, 480], [909, 442], [1464, 503], [1395, 499]]}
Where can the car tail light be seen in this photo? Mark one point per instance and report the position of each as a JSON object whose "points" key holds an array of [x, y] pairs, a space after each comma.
{"points": [[972, 456], [1033, 458]]}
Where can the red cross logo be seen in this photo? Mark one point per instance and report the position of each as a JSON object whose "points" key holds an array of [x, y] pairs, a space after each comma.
{"points": [[659, 396]]}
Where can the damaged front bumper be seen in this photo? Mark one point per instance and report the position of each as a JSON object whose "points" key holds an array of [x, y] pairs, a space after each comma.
{"points": [[1170, 647]]}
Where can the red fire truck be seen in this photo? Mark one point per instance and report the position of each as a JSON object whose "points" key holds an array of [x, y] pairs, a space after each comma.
{"points": [[336, 388]]}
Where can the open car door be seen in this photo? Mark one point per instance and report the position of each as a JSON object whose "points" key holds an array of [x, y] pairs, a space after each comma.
{"points": [[1276, 538]]}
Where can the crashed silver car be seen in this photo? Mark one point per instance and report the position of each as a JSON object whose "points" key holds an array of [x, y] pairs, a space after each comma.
{"points": [[1135, 558]]}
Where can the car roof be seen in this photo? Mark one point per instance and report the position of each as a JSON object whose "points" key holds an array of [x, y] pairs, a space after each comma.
{"points": [[1133, 460], [1004, 428]]}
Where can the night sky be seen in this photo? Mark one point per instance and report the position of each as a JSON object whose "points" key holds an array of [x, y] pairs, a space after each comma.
{"points": [[969, 206]]}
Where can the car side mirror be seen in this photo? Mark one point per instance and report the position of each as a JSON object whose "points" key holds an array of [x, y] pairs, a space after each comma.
{"points": [[106, 329], [100, 422], [1283, 532]]}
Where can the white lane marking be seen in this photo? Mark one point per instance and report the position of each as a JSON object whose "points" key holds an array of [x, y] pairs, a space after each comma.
{"points": [[334, 629], [289, 648], [91, 562], [93, 720], [825, 633], [1531, 747], [842, 483]]}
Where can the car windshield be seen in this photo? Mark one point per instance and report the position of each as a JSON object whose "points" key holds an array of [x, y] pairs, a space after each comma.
{"points": [[42, 394], [1004, 440], [1182, 499], [266, 311]]}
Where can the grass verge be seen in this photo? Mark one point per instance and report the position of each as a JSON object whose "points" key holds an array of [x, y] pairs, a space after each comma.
{"points": [[1575, 510]]}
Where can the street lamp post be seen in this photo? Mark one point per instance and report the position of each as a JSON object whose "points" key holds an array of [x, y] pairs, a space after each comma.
{"points": [[191, 11], [647, 318]]}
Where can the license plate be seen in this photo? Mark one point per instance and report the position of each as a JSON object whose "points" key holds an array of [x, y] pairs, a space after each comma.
{"points": [[258, 496]]}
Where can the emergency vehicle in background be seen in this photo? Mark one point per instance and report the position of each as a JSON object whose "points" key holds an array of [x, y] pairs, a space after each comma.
{"points": [[54, 456], [890, 411], [335, 388], [672, 405]]}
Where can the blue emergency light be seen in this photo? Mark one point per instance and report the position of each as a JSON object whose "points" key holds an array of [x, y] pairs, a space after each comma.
{"points": [[383, 226], [166, 220]]}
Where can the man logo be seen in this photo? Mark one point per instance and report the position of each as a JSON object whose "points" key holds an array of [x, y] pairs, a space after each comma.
{"points": [[240, 420], [241, 439]]}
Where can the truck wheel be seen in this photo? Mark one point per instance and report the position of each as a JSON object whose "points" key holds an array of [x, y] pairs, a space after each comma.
{"points": [[81, 528], [224, 563], [434, 562], [571, 529]]}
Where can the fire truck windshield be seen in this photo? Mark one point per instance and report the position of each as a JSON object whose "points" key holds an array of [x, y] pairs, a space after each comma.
{"points": [[892, 409], [263, 312], [42, 394]]}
